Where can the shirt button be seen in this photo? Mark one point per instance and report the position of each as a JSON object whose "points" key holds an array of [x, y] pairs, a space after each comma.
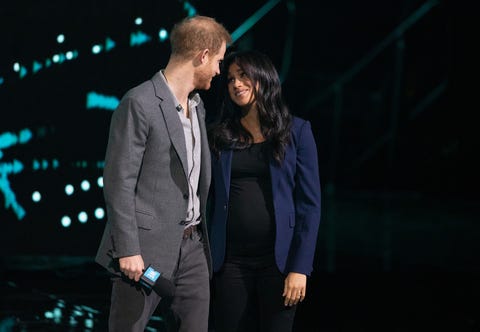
{"points": [[225, 207]]}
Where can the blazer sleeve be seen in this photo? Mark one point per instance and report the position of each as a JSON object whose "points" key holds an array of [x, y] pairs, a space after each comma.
{"points": [[126, 145], [307, 196]]}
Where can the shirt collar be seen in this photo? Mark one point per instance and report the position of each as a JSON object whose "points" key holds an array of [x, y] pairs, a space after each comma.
{"points": [[193, 98]]}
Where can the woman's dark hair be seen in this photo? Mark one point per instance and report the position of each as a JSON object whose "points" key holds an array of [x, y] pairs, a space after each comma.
{"points": [[275, 118]]}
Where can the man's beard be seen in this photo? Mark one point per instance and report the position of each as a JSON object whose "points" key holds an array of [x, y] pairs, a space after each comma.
{"points": [[202, 80]]}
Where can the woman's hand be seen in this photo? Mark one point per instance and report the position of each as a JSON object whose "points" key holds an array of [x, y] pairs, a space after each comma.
{"points": [[295, 288]]}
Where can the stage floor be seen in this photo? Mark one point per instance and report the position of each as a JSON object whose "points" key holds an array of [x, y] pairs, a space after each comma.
{"points": [[386, 263], [75, 297]]}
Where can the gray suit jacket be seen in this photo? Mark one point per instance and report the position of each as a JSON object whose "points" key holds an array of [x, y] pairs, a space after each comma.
{"points": [[145, 181]]}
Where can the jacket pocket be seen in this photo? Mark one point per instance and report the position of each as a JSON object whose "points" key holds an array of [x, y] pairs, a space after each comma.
{"points": [[144, 220]]}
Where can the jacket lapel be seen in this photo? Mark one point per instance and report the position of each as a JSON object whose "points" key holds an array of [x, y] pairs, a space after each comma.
{"points": [[205, 155], [226, 164], [275, 171], [174, 125]]}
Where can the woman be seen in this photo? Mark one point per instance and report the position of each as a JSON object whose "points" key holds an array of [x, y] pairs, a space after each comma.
{"points": [[265, 200]]}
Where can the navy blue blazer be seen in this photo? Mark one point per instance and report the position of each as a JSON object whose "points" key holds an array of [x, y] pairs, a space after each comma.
{"points": [[296, 202]]}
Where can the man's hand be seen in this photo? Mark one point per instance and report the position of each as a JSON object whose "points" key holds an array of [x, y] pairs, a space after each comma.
{"points": [[132, 266]]}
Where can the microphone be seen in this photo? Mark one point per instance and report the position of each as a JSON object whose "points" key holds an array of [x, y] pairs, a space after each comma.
{"points": [[179, 108], [152, 279]]}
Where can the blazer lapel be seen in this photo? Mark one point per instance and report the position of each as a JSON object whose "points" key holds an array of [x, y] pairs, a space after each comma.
{"points": [[275, 171], [205, 154], [226, 164], [174, 125]]}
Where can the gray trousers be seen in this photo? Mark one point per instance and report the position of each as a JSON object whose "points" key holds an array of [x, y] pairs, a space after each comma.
{"points": [[131, 306]]}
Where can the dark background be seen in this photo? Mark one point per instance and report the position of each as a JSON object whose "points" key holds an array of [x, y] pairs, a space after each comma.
{"points": [[386, 86]]}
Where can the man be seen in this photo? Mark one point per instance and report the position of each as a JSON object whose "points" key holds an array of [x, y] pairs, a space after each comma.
{"points": [[156, 181]]}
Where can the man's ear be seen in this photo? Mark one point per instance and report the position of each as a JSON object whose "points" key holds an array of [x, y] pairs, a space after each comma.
{"points": [[204, 55], [201, 57]]}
